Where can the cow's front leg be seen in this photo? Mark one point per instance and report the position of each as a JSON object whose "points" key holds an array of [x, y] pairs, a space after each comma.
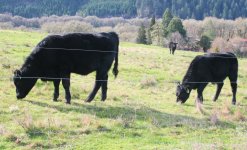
{"points": [[199, 93], [56, 89], [104, 88], [66, 86]]}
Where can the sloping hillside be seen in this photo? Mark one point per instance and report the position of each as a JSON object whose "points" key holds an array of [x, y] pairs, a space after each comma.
{"points": [[140, 112]]}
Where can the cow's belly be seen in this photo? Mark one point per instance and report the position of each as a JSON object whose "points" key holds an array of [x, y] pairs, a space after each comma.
{"points": [[84, 70]]}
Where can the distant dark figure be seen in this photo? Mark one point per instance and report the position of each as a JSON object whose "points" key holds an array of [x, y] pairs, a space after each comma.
{"points": [[214, 68], [172, 47], [57, 56]]}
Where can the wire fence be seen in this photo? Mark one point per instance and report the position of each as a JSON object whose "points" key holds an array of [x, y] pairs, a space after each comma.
{"points": [[100, 51], [118, 81]]}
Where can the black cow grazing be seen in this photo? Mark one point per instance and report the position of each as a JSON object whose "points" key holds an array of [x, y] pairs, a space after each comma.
{"points": [[172, 47], [214, 68], [57, 56]]}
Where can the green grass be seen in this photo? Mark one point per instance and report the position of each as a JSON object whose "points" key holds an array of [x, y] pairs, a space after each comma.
{"points": [[140, 112]]}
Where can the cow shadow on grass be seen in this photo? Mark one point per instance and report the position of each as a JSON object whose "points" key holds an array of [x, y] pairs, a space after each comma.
{"points": [[139, 113], [186, 56]]}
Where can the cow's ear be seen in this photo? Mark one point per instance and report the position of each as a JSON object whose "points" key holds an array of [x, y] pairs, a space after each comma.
{"points": [[187, 90], [17, 72], [178, 83]]}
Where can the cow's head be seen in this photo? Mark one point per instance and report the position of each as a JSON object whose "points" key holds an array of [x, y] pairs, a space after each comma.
{"points": [[23, 84], [175, 45], [182, 93]]}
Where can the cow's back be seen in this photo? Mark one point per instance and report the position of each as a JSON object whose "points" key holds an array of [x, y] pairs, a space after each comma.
{"points": [[216, 67], [80, 53]]}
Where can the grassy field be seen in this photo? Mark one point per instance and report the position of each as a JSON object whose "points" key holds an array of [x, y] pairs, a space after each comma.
{"points": [[140, 112]]}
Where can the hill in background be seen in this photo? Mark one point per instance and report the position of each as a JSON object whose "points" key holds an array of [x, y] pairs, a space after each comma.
{"points": [[197, 9]]}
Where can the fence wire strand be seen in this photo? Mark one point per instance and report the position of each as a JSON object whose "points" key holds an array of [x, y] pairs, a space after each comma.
{"points": [[76, 80], [95, 50]]}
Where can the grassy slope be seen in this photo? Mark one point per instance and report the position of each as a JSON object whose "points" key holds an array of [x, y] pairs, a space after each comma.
{"points": [[140, 112]]}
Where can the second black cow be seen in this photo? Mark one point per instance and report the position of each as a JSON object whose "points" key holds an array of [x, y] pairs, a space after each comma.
{"points": [[57, 56], [172, 47], [214, 68]]}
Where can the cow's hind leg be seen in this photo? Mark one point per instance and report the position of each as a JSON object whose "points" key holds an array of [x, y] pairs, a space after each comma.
{"points": [[66, 86], [219, 87], [97, 85], [234, 89], [104, 88], [56, 89]]}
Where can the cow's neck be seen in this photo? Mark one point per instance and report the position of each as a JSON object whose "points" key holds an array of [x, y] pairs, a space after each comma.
{"points": [[29, 71], [30, 67], [190, 77], [188, 82]]}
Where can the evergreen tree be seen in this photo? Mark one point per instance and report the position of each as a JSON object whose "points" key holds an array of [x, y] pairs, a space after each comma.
{"points": [[167, 17], [149, 30], [205, 43], [141, 38], [149, 37], [153, 21], [157, 34], [176, 25]]}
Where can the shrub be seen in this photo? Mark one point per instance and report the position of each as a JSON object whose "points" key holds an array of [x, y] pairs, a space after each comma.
{"points": [[236, 45], [6, 25], [104, 29], [64, 27], [127, 32], [221, 45]]}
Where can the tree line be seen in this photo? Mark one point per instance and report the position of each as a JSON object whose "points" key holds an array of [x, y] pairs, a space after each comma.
{"points": [[217, 35], [184, 9], [39, 8]]}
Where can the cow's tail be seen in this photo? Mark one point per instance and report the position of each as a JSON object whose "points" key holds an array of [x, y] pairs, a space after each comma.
{"points": [[115, 68]]}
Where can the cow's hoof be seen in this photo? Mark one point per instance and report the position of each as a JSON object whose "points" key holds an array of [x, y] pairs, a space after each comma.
{"points": [[199, 102], [103, 98], [68, 103], [233, 103], [88, 101]]}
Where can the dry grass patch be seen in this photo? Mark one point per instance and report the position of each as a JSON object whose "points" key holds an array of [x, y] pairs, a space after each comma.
{"points": [[148, 81]]}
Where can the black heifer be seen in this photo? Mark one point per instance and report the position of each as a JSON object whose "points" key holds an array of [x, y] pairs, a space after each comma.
{"points": [[172, 47], [57, 56], [214, 68]]}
